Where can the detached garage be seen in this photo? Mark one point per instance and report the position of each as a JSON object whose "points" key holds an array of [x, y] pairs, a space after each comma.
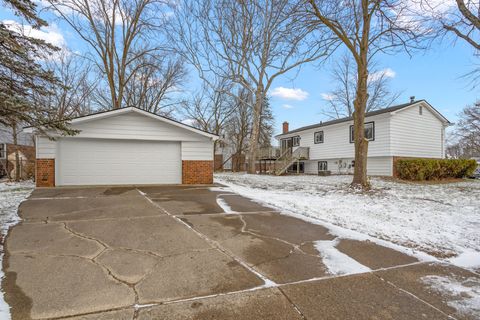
{"points": [[126, 146]]}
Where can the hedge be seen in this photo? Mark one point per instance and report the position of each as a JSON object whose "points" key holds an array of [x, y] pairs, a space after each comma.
{"points": [[434, 169]]}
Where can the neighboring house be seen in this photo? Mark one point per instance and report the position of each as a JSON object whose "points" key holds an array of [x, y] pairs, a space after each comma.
{"points": [[26, 153], [414, 129], [125, 146]]}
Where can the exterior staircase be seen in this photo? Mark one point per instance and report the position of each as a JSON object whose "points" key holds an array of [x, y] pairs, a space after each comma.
{"points": [[289, 157]]}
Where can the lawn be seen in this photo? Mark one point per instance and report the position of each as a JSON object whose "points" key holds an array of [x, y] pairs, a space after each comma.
{"points": [[442, 220]]}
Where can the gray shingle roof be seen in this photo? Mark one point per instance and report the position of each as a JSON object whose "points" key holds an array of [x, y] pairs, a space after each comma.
{"points": [[368, 114]]}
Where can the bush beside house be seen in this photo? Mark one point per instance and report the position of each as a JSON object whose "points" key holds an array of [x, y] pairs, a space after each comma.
{"points": [[434, 169]]}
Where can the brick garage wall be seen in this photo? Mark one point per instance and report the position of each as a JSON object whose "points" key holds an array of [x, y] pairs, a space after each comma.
{"points": [[45, 173], [197, 172]]}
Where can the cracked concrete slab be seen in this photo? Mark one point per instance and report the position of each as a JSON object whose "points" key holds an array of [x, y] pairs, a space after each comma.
{"points": [[50, 239], [241, 204], [127, 314], [295, 267], [59, 286], [195, 274], [254, 250], [199, 202], [414, 280], [161, 235], [175, 189], [86, 192], [217, 228], [266, 304], [88, 208], [285, 227], [276, 258], [127, 265], [203, 201], [278, 261], [373, 255], [357, 297]]}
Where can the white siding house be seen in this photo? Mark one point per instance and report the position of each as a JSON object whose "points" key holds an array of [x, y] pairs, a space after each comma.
{"points": [[125, 146], [414, 129]]}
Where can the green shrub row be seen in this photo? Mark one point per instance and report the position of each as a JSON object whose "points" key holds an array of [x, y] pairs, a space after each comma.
{"points": [[434, 169]]}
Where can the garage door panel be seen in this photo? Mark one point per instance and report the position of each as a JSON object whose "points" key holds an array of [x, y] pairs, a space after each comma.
{"points": [[102, 162]]}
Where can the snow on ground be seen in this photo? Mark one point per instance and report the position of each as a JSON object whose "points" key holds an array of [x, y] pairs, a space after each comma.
{"points": [[438, 219], [336, 261], [464, 295], [11, 195]]}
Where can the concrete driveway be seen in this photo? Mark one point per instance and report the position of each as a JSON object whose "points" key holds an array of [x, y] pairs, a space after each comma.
{"points": [[172, 252]]}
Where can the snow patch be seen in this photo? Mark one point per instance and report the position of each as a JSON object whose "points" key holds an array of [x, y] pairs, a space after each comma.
{"points": [[11, 195], [224, 205], [337, 262], [464, 296], [469, 259]]}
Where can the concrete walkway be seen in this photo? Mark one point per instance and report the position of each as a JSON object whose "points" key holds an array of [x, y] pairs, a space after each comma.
{"points": [[174, 253]]}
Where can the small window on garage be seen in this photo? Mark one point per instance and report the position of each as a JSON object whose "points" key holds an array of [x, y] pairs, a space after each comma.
{"points": [[3, 151], [322, 166], [318, 137]]}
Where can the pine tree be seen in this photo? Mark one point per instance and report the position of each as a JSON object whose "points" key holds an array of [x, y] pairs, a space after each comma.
{"points": [[22, 77]]}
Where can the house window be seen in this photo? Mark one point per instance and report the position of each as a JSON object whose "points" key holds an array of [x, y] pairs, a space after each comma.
{"points": [[293, 167], [3, 151], [318, 137], [420, 110], [369, 132], [322, 166], [296, 141]]}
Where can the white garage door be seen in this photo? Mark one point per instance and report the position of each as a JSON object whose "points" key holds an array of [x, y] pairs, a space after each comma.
{"points": [[109, 162]]}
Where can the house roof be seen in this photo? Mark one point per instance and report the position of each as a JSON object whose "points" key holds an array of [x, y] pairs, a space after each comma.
{"points": [[369, 114], [111, 113]]}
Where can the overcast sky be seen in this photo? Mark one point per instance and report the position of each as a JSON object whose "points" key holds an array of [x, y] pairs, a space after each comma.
{"points": [[298, 97]]}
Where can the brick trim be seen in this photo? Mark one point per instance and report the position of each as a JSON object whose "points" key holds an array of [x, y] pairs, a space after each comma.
{"points": [[45, 173], [197, 172]]}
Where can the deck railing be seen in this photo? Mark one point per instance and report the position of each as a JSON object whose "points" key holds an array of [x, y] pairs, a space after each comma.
{"points": [[268, 153]]}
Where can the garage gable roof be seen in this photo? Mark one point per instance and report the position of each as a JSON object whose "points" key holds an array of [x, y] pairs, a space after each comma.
{"points": [[116, 112]]}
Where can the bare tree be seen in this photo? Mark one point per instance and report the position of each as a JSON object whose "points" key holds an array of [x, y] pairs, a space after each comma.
{"points": [[211, 109], [467, 131], [120, 33], [250, 43], [238, 129], [340, 100], [154, 82], [366, 28], [460, 18], [72, 96]]}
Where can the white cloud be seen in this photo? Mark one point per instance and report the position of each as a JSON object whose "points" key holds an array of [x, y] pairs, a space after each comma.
{"points": [[287, 106], [50, 34], [385, 73], [327, 96], [289, 93], [189, 122]]}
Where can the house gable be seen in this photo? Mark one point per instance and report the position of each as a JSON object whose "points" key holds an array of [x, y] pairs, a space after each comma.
{"points": [[135, 126]]}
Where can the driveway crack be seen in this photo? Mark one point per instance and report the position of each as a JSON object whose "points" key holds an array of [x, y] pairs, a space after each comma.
{"points": [[293, 304]]}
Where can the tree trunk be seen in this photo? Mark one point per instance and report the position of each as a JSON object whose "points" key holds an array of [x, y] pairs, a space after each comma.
{"points": [[255, 134], [17, 156], [361, 144]]}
